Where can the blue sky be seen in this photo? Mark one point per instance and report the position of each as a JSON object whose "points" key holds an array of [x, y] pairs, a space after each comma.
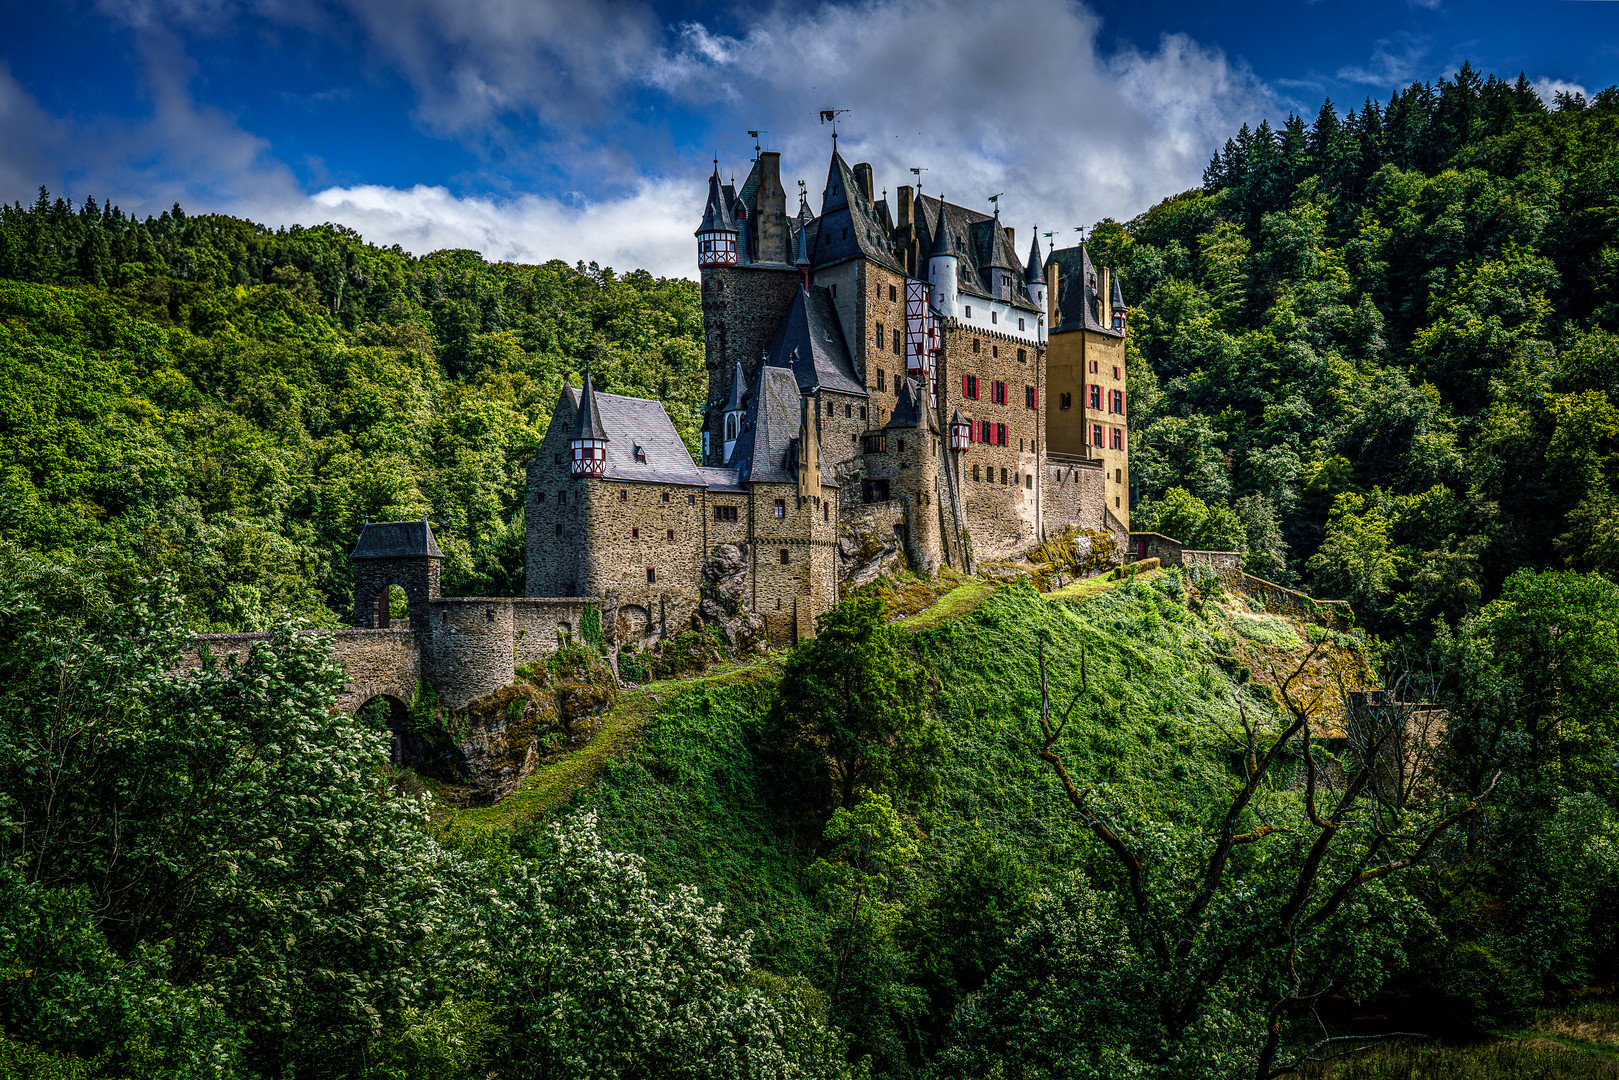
{"points": [[532, 130]]}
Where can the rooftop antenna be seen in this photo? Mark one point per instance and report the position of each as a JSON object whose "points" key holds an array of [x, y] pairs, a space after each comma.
{"points": [[756, 135], [996, 200], [830, 116]]}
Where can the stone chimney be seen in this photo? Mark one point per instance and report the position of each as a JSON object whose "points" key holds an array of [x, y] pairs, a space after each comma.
{"points": [[770, 228], [906, 198], [1011, 237], [862, 175]]}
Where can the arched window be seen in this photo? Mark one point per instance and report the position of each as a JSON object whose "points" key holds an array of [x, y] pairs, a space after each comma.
{"points": [[730, 428]]}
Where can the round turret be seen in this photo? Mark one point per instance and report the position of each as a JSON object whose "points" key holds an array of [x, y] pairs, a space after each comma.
{"points": [[589, 444], [716, 236]]}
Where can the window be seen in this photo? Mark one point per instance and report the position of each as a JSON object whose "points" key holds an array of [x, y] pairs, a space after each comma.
{"points": [[665, 496], [691, 500], [784, 556], [874, 444], [969, 386], [1023, 356], [1003, 477], [562, 498], [1115, 371], [975, 349], [1118, 476], [651, 576], [881, 337], [1065, 401], [862, 412], [975, 480], [1096, 396], [898, 348], [668, 534], [1031, 398], [969, 311], [1000, 432], [728, 513], [559, 459], [1093, 367], [540, 497], [1096, 434], [559, 528], [623, 494], [1020, 326], [640, 455], [997, 392], [892, 295], [781, 508], [830, 408], [995, 352], [1118, 438], [880, 376], [635, 534], [1028, 480], [826, 511], [848, 411]]}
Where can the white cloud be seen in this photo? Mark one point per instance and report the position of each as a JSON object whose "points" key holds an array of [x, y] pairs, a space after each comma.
{"points": [[1015, 97], [31, 141], [1548, 89], [650, 229]]}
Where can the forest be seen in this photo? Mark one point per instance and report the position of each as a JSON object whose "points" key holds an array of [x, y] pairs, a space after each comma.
{"points": [[1132, 828]]}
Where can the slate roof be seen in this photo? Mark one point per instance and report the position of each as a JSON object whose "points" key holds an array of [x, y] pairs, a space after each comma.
{"points": [[979, 241], [1035, 269], [587, 419], [771, 427], [1078, 305], [396, 540], [632, 423], [717, 211], [849, 225], [908, 411], [719, 479], [809, 340], [739, 390]]}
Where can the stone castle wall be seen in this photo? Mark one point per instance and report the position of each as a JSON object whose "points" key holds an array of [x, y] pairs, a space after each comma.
{"points": [[741, 307], [1073, 495], [379, 663]]}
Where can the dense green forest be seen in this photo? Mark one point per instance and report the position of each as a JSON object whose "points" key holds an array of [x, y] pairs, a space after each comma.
{"points": [[204, 395], [1125, 830], [1378, 352]]}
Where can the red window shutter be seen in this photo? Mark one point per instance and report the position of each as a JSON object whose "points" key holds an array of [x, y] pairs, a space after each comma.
{"points": [[963, 385], [1121, 402]]}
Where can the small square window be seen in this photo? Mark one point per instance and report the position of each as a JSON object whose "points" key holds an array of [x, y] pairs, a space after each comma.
{"points": [[668, 534], [826, 511], [559, 528], [862, 412], [975, 344], [691, 500], [623, 494], [848, 411], [1003, 477], [893, 293], [781, 508], [635, 534], [1065, 401], [995, 352], [562, 498], [995, 317], [539, 497], [880, 376], [1020, 327], [559, 459], [784, 556], [1028, 480], [651, 576], [1023, 356], [665, 496]]}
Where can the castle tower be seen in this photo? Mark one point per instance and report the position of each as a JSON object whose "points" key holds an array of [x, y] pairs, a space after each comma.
{"points": [[943, 268], [1034, 273], [401, 553], [716, 236], [1119, 310], [589, 444]]}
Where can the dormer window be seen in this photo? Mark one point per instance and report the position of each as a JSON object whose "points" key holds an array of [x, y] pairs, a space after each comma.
{"points": [[640, 455], [730, 427]]}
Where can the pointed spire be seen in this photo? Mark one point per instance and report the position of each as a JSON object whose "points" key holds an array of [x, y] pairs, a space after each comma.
{"points": [[587, 422], [717, 215], [1118, 294], [739, 390], [942, 247], [1035, 271]]}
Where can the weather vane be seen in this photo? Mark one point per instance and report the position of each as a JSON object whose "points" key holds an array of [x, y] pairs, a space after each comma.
{"points": [[996, 201], [755, 136], [830, 116]]}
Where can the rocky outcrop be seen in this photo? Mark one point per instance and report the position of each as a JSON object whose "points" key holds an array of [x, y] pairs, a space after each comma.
{"points": [[869, 546], [725, 598], [503, 736]]}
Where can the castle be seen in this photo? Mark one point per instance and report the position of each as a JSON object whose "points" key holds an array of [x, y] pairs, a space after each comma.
{"points": [[882, 368], [881, 374]]}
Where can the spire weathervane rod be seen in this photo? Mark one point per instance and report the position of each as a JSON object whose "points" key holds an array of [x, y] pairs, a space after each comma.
{"points": [[995, 200], [830, 116], [756, 147], [917, 172]]}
